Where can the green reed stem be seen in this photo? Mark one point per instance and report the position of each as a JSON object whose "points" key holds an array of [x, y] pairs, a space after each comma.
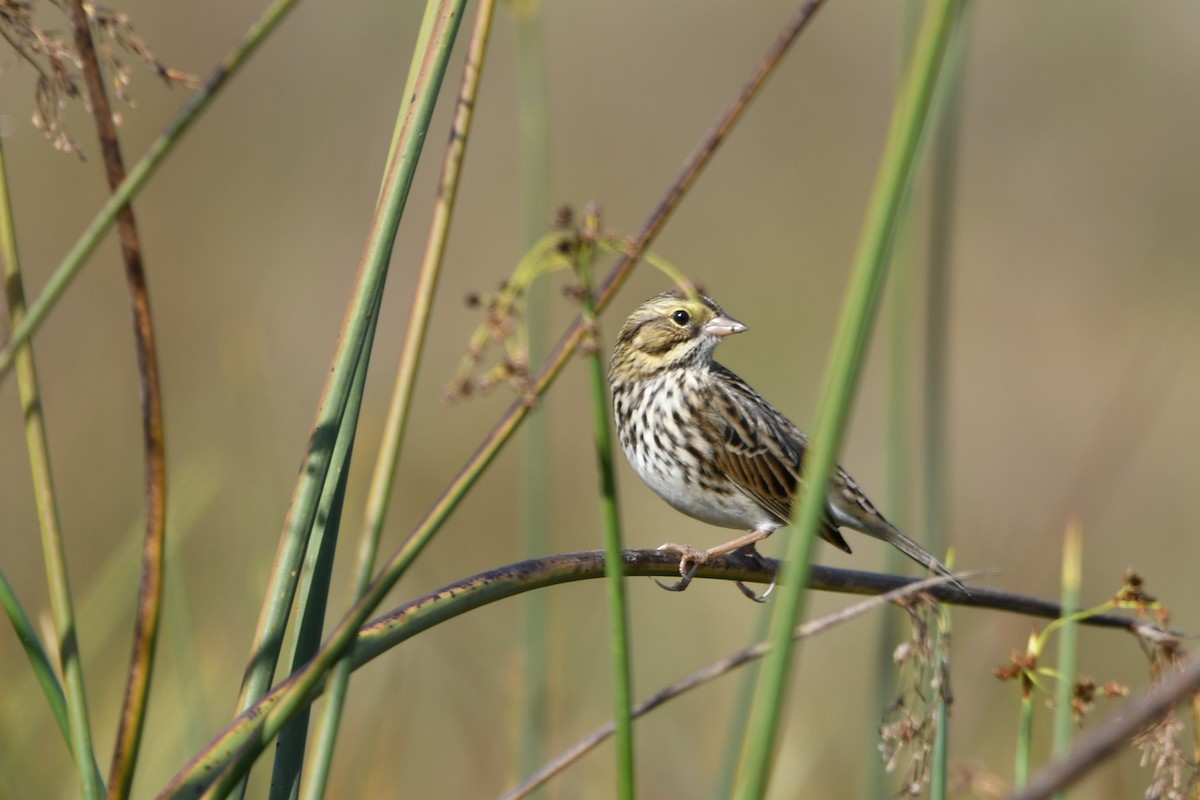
{"points": [[46, 501], [740, 718], [868, 270], [939, 783], [429, 64], [533, 124], [1068, 643], [379, 495], [944, 174], [1024, 735], [313, 595], [43, 670], [898, 452], [610, 518]]}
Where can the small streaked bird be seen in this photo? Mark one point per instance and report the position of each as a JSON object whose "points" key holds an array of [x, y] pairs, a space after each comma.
{"points": [[710, 446]]}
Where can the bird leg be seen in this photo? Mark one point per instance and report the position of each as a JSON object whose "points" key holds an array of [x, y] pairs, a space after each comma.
{"points": [[691, 559]]}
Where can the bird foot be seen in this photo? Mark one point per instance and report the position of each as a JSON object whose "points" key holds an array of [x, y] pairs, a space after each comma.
{"points": [[690, 560], [750, 552]]}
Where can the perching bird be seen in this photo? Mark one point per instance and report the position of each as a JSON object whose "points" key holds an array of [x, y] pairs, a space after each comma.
{"points": [[710, 446]]}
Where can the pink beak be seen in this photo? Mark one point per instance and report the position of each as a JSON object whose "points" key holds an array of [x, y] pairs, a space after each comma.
{"points": [[723, 325]]}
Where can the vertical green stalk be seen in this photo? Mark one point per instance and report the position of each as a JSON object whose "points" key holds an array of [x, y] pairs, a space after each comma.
{"points": [[379, 494], [1024, 734], [740, 718], [427, 71], [898, 452], [869, 267], [1068, 642], [43, 670], [313, 594], [533, 122], [939, 784], [944, 172], [611, 520], [53, 549], [944, 169]]}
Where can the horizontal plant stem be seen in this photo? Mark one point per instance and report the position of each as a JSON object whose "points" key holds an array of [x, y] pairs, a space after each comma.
{"points": [[403, 623]]}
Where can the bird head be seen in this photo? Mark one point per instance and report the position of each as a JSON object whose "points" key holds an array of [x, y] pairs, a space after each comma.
{"points": [[670, 330]]}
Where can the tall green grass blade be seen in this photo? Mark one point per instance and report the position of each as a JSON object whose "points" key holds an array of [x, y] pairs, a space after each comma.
{"points": [[383, 477], [939, 783], [610, 518], [869, 267], [429, 64], [533, 124], [1024, 739], [313, 594], [54, 551], [944, 176], [1068, 643], [740, 719]]}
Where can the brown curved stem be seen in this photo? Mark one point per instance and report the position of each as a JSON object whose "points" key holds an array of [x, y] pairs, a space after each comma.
{"points": [[149, 605]]}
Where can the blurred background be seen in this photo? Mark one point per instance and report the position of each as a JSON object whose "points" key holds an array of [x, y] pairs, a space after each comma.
{"points": [[1073, 373]]}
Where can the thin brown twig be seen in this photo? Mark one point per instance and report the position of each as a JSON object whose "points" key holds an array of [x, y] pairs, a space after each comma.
{"points": [[692, 168], [149, 604]]}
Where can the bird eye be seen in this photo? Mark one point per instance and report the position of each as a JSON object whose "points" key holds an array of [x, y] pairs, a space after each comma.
{"points": [[681, 317]]}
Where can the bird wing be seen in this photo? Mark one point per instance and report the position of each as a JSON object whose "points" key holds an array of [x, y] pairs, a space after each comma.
{"points": [[763, 454], [763, 450]]}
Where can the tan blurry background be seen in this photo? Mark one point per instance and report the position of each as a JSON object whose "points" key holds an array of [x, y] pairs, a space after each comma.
{"points": [[1074, 292]]}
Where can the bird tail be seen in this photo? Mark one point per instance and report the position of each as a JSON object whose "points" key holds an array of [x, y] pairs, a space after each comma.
{"points": [[891, 534]]}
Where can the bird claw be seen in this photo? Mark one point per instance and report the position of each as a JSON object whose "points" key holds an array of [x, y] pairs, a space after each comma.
{"points": [[758, 598], [677, 586], [690, 560], [751, 552]]}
